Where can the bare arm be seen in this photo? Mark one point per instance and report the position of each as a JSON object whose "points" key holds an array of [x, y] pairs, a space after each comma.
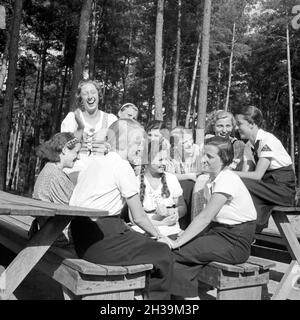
{"points": [[201, 221], [139, 217], [258, 173], [80, 125]]}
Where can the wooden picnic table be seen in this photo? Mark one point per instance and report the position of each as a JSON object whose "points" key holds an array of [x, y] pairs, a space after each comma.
{"points": [[41, 241], [289, 286]]}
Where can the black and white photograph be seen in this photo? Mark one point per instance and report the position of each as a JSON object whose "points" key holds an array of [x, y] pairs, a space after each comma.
{"points": [[149, 152]]}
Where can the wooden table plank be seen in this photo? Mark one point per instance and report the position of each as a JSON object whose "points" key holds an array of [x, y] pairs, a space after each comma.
{"points": [[11, 204]]}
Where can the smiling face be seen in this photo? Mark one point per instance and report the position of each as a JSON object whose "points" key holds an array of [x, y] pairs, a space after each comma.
{"points": [[89, 97], [245, 128], [212, 163], [69, 156], [223, 127], [158, 163]]}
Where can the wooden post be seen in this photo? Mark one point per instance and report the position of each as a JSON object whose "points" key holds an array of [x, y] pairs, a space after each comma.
{"points": [[158, 90], [202, 102], [290, 96], [230, 68]]}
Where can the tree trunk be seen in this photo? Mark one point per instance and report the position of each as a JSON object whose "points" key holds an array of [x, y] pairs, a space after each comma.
{"points": [[58, 116], [80, 50], [158, 89], [177, 69], [37, 119], [188, 115], [3, 69], [290, 96], [9, 94], [93, 43], [202, 102], [219, 85], [230, 68]]}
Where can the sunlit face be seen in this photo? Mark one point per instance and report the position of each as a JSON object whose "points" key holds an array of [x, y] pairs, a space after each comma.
{"points": [[135, 146], [69, 156], [154, 134], [90, 97], [159, 162], [223, 127], [244, 127], [211, 161], [129, 112]]}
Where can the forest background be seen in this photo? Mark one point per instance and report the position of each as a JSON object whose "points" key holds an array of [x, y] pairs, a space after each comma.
{"points": [[47, 46]]}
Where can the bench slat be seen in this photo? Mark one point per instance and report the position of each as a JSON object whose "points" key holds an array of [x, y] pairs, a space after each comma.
{"points": [[286, 209], [18, 240], [263, 263], [227, 267]]}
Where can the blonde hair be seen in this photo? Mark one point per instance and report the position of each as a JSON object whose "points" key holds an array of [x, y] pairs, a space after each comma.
{"points": [[216, 115], [79, 88], [119, 132]]}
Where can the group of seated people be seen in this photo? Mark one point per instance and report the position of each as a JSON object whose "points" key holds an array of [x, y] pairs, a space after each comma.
{"points": [[227, 187]]}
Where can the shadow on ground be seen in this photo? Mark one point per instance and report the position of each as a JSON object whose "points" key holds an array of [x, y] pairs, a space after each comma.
{"points": [[36, 286]]}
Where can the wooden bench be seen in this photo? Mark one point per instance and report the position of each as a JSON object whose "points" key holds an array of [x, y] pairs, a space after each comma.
{"points": [[79, 279], [237, 282]]}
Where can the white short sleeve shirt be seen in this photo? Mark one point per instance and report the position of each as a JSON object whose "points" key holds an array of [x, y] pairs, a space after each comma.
{"points": [[269, 147], [239, 207], [153, 195], [105, 184]]}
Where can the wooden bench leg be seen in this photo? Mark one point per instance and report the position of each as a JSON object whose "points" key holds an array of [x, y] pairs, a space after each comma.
{"points": [[288, 282], [30, 256], [249, 293]]}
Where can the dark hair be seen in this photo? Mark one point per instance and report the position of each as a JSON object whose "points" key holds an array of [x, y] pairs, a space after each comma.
{"points": [[51, 149], [153, 148], [156, 125], [252, 115], [224, 146]]}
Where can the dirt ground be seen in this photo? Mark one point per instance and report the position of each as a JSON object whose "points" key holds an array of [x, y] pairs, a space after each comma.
{"points": [[36, 285]]}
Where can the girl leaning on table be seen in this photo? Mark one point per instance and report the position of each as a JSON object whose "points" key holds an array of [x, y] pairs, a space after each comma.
{"points": [[223, 231], [160, 192], [53, 184]]}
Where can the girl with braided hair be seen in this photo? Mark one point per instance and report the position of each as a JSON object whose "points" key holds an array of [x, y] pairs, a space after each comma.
{"points": [[160, 191]]}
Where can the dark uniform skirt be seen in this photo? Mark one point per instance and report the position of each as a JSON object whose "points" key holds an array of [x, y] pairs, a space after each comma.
{"points": [[277, 187], [219, 242], [110, 241]]}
